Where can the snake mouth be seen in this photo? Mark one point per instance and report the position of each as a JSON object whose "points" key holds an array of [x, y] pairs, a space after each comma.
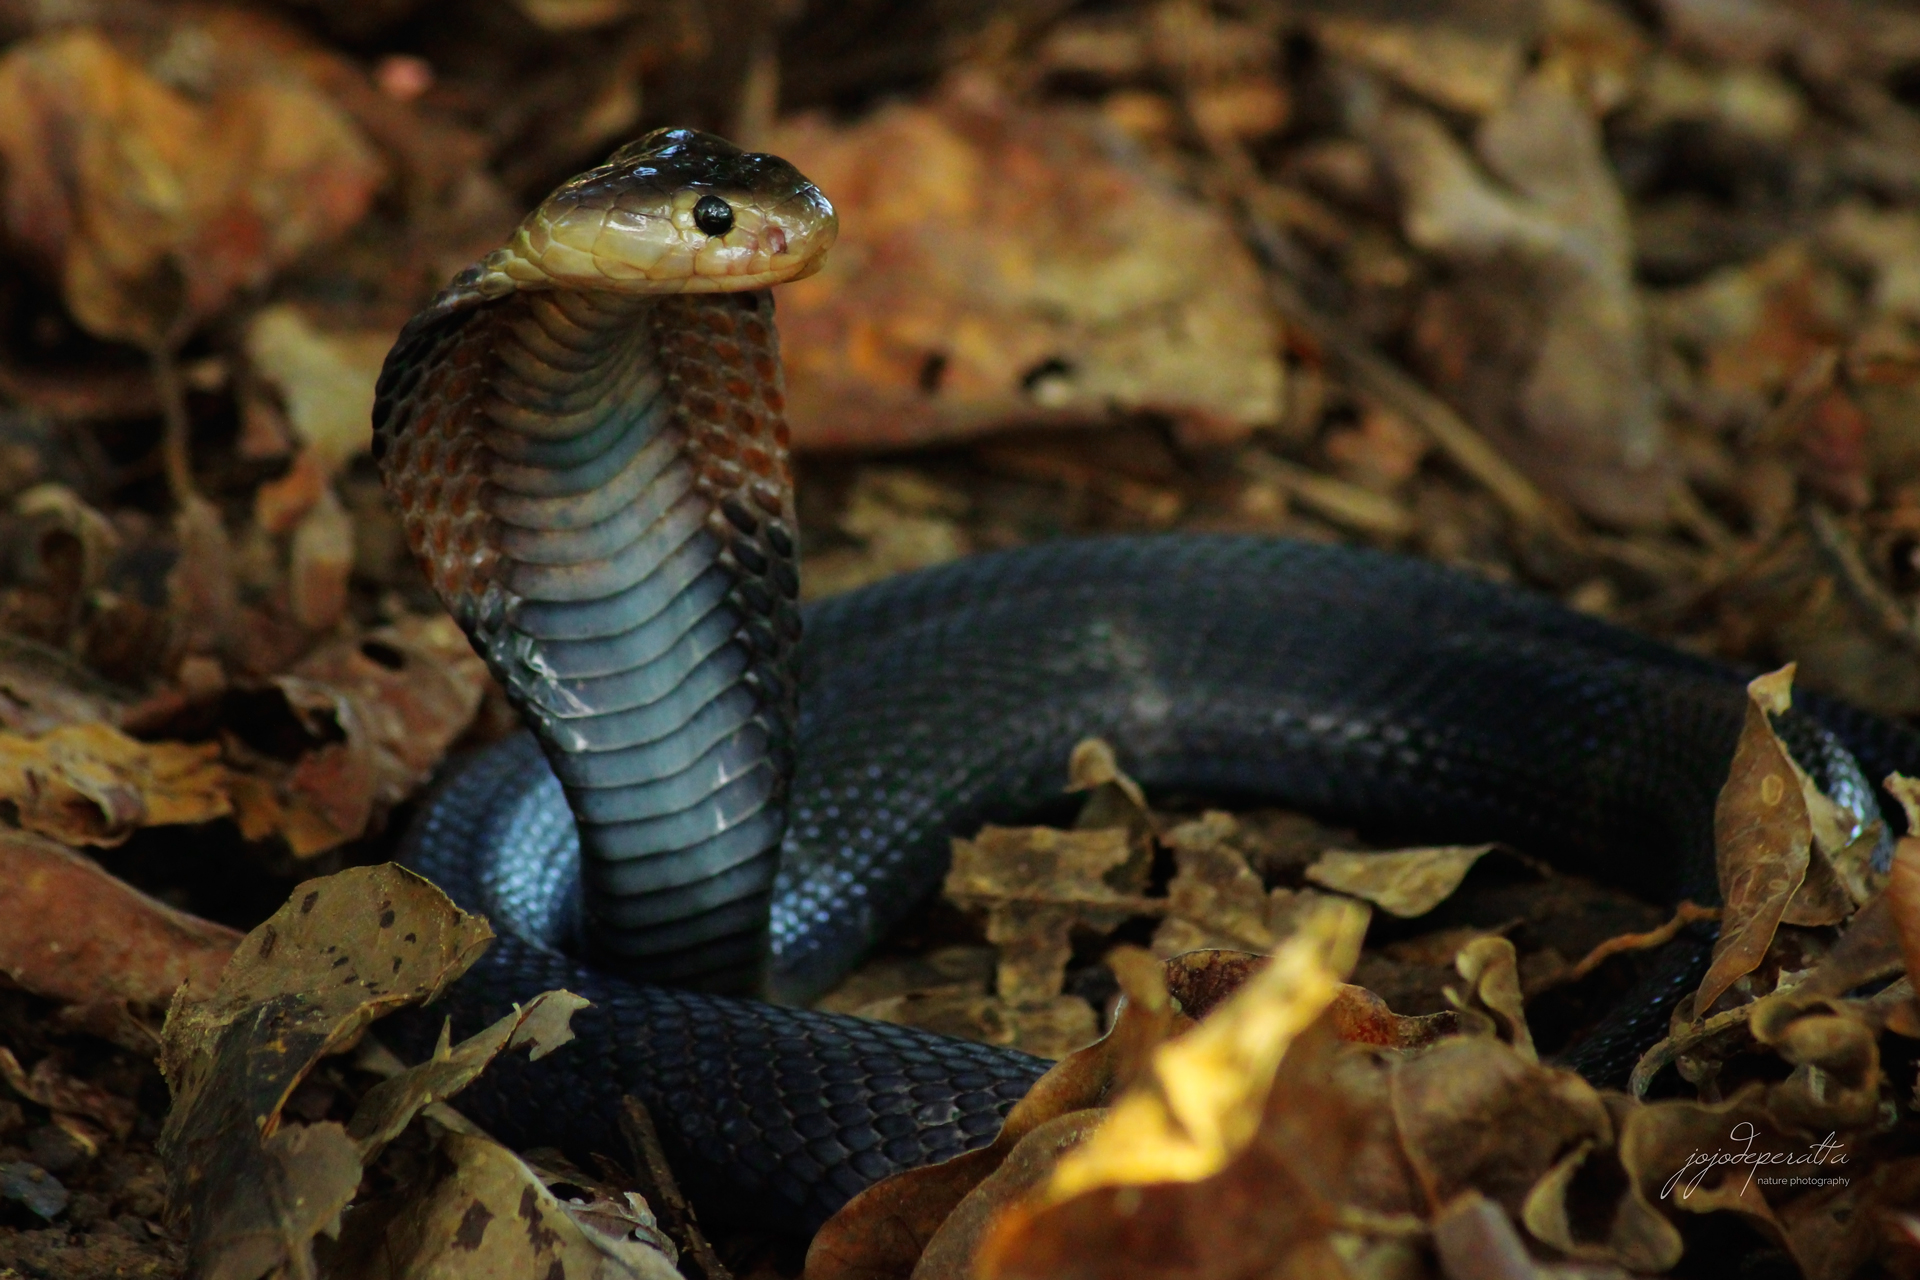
{"points": [[676, 212]]}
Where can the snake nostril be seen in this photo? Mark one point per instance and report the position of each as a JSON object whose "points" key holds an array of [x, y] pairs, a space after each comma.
{"points": [[713, 215]]}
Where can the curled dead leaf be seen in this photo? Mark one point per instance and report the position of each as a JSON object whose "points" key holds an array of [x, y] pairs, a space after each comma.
{"points": [[91, 784]]}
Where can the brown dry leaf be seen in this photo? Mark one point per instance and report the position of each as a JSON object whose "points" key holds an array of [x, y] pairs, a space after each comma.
{"points": [[1763, 838], [71, 932], [541, 1025], [1315, 1150], [382, 711], [1565, 387], [1492, 970], [904, 520], [950, 1253], [1834, 1051], [1036, 883], [489, 1217], [1215, 899], [62, 1094], [155, 207], [881, 1233], [90, 784], [1473, 1113], [1579, 1208], [1200, 1102], [1403, 882], [203, 601], [1001, 264], [343, 951], [1050, 1028], [1358, 1016]]}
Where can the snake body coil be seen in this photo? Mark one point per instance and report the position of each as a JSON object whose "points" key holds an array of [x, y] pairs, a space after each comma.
{"points": [[584, 436]]}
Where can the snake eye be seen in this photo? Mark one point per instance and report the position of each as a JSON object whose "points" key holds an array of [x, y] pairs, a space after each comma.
{"points": [[713, 215]]}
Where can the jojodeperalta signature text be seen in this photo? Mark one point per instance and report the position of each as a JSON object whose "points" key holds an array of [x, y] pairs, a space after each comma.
{"points": [[1826, 1154]]}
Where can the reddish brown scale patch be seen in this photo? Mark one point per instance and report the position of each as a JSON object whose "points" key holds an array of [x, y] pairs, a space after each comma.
{"points": [[729, 352], [782, 434], [740, 389], [719, 444], [757, 460]]}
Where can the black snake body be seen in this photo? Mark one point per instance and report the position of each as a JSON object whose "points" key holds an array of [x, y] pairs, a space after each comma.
{"points": [[794, 825]]}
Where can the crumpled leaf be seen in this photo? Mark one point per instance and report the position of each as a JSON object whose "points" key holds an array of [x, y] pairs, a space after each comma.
{"points": [[1402, 882], [1036, 883], [541, 1024], [1566, 388], [154, 207], [1313, 1149], [1492, 970], [381, 712], [1001, 264], [1449, 63], [72, 932], [319, 563], [343, 951], [1200, 1100], [490, 1215], [1215, 898], [90, 784], [1473, 1113]]}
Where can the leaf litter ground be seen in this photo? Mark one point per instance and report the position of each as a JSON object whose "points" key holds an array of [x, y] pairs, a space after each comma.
{"points": [[1618, 302]]}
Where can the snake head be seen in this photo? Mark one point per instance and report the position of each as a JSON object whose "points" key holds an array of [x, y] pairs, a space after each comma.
{"points": [[676, 211]]}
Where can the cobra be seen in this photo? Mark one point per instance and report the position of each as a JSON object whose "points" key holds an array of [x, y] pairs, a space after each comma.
{"points": [[711, 819]]}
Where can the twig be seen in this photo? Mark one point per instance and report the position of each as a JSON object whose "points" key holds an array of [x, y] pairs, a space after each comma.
{"points": [[650, 1164], [1379, 377], [174, 452], [1685, 914], [1237, 180], [1837, 546]]}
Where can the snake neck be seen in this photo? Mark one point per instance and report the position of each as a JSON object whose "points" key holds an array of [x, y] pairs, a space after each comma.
{"points": [[599, 489]]}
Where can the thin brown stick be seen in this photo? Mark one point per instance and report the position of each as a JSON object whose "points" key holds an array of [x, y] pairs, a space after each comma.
{"points": [[1683, 915], [1236, 180], [651, 1167], [1838, 549], [175, 455]]}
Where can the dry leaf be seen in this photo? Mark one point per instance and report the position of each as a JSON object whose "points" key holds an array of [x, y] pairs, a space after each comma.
{"points": [[881, 1233], [90, 784], [1065, 285], [1763, 838], [154, 207], [381, 712], [1404, 882], [64, 1095], [490, 1217], [1200, 1102], [1492, 970], [1036, 883], [343, 951], [1563, 380]]}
